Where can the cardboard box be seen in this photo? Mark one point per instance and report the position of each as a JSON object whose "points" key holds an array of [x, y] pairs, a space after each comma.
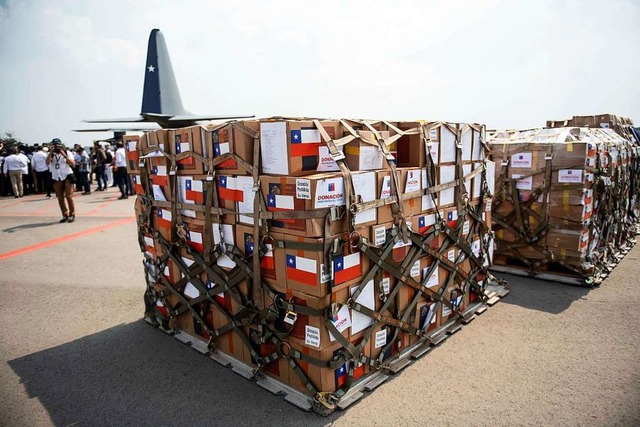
{"points": [[236, 194], [296, 148], [301, 262], [130, 143], [411, 148], [312, 330], [325, 379], [235, 138], [161, 221], [364, 156], [410, 180], [158, 169], [304, 194], [194, 139]]}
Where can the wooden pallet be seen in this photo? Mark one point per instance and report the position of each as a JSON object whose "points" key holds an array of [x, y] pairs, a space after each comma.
{"points": [[494, 293]]}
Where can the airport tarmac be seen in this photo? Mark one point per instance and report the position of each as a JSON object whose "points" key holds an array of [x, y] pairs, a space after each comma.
{"points": [[74, 350]]}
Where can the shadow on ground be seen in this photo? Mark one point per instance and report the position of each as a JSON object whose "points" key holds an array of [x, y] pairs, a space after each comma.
{"points": [[541, 295], [136, 375], [28, 226]]}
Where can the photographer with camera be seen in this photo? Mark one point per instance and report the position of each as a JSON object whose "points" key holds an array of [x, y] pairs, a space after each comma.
{"points": [[60, 164]]}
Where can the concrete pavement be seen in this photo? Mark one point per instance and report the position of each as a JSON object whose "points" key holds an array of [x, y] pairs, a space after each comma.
{"points": [[74, 349]]}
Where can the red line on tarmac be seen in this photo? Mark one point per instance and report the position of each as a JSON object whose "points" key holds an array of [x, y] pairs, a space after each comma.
{"points": [[102, 205], [62, 239], [15, 202]]}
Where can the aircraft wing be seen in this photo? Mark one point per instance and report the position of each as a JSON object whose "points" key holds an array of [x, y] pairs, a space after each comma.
{"points": [[119, 120], [133, 129], [195, 118]]}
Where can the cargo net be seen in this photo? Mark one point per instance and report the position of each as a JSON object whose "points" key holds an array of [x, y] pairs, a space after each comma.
{"points": [[413, 278], [566, 203]]}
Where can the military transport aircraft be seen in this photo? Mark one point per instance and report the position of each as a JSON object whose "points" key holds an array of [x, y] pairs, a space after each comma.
{"points": [[161, 102]]}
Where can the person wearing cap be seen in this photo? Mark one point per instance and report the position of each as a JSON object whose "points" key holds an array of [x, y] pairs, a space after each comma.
{"points": [[60, 165]]}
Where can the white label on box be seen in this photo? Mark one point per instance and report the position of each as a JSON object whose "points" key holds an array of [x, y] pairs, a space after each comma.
{"points": [[371, 158], [329, 192], [245, 184], [573, 176], [425, 181], [447, 145], [381, 339], [415, 269], [466, 145], [379, 236], [447, 174], [367, 299], [466, 170], [223, 232], [522, 160], [445, 310], [488, 206], [303, 189], [191, 291], [491, 176], [433, 279], [465, 228], [428, 202], [158, 194], [414, 179], [431, 315], [326, 162], [364, 185], [475, 247], [477, 146], [341, 320], [273, 149], [432, 150], [325, 274], [524, 183], [385, 191], [451, 255], [312, 336], [386, 285]]}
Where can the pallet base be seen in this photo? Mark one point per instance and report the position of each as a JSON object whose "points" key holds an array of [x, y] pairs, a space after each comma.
{"points": [[494, 293]]}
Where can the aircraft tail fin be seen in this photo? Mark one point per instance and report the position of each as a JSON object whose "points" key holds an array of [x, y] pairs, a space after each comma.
{"points": [[160, 94]]}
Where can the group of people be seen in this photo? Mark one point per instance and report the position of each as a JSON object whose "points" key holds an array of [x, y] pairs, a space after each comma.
{"points": [[41, 169]]}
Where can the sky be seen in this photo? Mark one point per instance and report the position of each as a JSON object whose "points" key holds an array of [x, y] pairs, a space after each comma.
{"points": [[507, 64]]}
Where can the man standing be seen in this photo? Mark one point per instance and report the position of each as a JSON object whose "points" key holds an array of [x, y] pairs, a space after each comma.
{"points": [[83, 170], [39, 163], [120, 168], [26, 178], [101, 161], [60, 163], [13, 165]]}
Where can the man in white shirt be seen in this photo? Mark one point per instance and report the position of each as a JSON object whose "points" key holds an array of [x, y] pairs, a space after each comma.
{"points": [[121, 170], [43, 176], [60, 163], [13, 165]]}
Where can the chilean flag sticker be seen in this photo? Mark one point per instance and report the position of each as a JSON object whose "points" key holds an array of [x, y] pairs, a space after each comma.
{"points": [[159, 175], [194, 191], [345, 268], [303, 270], [276, 202], [137, 184], [304, 142], [425, 222], [194, 239], [452, 218], [164, 218], [268, 261], [228, 189]]}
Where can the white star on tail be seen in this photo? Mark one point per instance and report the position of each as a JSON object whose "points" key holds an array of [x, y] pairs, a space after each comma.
{"points": [[151, 68]]}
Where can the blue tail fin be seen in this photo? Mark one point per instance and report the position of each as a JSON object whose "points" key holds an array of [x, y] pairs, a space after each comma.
{"points": [[160, 95]]}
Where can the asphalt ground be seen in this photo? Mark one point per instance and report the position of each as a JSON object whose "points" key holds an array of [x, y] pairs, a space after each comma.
{"points": [[74, 350]]}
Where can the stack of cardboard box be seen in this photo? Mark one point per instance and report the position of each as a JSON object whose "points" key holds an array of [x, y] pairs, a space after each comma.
{"points": [[563, 199], [313, 199]]}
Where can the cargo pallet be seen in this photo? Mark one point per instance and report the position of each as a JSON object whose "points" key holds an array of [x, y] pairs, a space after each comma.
{"points": [[591, 281], [494, 292]]}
